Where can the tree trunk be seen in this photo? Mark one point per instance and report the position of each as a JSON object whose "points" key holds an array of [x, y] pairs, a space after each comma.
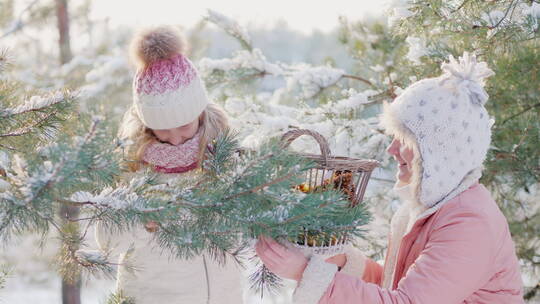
{"points": [[71, 293], [63, 29], [71, 289]]}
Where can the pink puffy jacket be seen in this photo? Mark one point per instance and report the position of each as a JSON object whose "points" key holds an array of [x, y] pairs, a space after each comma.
{"points": [[461, 253]]}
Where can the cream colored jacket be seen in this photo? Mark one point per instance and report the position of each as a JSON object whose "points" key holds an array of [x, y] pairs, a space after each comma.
{"points": [[160, 278]]}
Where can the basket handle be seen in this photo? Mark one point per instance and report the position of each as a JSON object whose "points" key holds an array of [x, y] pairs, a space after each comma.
{"points": [[290, 136]]}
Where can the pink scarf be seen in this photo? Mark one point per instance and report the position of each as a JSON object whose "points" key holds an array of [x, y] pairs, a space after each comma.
{"points": [[166, 158]]}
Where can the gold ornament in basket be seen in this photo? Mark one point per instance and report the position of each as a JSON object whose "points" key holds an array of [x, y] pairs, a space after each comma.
{"points": [[350, 175]]}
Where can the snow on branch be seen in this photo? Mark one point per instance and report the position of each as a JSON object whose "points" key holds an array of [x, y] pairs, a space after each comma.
{"points": [[36, 103], [107, 72], [230, 26], [92, 257], [313, 80], [251, 60], [399, 10], [417, 49], [18, 23], [119, 198], [352, 102], [123, 197]]}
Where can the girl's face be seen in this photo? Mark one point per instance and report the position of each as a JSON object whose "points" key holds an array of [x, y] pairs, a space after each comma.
{"points": [[404, 157], [178, 135]]}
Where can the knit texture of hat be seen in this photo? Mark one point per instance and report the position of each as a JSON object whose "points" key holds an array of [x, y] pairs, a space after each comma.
{"points": [[167, 90], [446, 118]]}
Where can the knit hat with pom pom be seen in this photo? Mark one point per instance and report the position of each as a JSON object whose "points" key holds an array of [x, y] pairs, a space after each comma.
{"points": [[445, 117], [167, 89]]}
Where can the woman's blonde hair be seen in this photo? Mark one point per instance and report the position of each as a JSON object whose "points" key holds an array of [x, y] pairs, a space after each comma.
{"points": [[394, 127], [137, 136]]}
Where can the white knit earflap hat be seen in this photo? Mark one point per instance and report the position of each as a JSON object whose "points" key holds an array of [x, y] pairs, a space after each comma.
{"points": [[446, 118], [167, 89]]}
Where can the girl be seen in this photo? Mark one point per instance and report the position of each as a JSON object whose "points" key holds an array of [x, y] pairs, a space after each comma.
{"points": [[449, 242], [169, 125]]}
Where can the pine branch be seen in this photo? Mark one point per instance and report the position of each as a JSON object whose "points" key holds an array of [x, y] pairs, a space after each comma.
{"points": [[119, 298], [32, 127], [4, 274], [460, 6], [38, 118], [521, 112], [37, 103], [19, 24], [4, 60], [530, 294], [264, 281], [358, 78], [260, 187], [54, 178], [231, 27]]}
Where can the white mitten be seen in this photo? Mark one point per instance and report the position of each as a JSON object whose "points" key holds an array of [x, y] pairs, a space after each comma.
{"points": [[356, 262]]}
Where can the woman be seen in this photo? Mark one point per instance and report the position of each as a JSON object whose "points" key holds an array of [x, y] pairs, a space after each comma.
{"points": [[449, 242]]}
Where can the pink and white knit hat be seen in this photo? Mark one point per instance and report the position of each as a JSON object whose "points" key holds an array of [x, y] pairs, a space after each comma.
{"points": [[167, 89]]}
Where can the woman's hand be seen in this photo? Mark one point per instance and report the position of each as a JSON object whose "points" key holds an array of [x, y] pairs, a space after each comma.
{"points": [[151, 226], [285, 262]]}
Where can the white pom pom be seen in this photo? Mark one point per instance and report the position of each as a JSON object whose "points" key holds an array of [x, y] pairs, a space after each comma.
{"points": [[469, 75]]}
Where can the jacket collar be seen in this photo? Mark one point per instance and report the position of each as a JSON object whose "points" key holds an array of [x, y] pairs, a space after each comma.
{"points": [[471, 179]]}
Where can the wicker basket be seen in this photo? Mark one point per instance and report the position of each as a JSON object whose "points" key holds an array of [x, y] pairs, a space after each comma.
{"points": [[336, 170]]}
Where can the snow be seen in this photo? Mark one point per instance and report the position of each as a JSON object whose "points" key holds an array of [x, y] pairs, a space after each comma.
{"points": [[91, 256], [106, 67], [19, 165], [417, 49], [268, 110], [33, 278], [118, 198], [243, 59], [313, 79], [4, 160], [108, 71], [235, 105], [28, 184], [14, 26], [38, 102], [4, 185], [399, 10], [534, 10], [378, 68], [44, 175], [75, 63], [351, 103], [530, 15], [493, 18], [229, 25]]}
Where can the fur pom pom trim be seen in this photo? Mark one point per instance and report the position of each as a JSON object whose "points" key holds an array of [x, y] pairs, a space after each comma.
{"points": [[155, 44]]}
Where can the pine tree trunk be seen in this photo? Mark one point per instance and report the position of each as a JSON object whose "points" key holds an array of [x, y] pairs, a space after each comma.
{"points": [[71, 294], [71, 290], [63, 29]]}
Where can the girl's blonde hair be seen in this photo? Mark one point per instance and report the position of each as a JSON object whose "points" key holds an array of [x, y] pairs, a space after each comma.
{"points": [[212, 122]]}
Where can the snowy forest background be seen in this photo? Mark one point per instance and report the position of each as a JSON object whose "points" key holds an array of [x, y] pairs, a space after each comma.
{"points": [[270, 80]]}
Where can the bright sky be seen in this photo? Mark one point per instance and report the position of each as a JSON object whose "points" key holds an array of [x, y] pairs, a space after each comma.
{"points": [[303, 15]]}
